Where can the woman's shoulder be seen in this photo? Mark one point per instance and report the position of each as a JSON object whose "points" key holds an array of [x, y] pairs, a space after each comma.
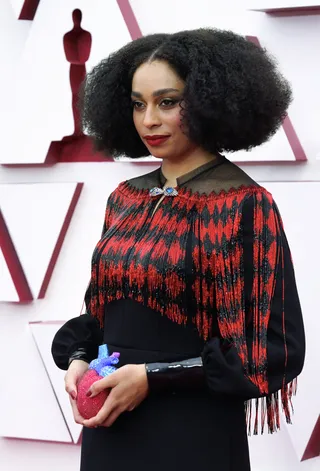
{"points": [[223, 181], [139, 186], [232, 176], [146, 180]]}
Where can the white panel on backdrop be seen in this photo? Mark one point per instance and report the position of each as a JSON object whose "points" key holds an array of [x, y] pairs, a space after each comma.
{"points": [[13, 35], [43, 333], [35, 215], [298, 204], [278, 148], [7, 289], [17, 6], [30, 409]]}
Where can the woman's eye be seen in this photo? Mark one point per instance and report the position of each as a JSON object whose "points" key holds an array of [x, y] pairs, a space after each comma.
{"points": [[137, 105], [168, 102], [165, 103]]}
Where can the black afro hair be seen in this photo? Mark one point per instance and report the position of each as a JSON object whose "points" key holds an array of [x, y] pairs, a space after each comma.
{"points": [[234, 97]]}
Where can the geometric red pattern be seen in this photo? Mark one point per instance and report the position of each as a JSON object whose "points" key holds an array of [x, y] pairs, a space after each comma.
{"points": [[11, 248], [13, 263], [29, 9], [291, 11], [60, 239], [313, 447]]}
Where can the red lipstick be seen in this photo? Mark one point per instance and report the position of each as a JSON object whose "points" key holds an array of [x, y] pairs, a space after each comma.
{"points": [[156, 140]]}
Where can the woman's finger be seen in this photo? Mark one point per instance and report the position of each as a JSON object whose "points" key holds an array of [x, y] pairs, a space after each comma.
{"points": [[112, 417], [75, 371], [107, 409], [70, 386], [76, 414], [106, 383]]}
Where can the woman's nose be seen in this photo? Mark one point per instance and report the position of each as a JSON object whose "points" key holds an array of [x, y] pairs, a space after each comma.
{"points": [[151, 117]]}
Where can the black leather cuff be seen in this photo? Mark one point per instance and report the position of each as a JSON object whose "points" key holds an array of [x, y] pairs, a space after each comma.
{"points": [[176, 376], [79, 354]]}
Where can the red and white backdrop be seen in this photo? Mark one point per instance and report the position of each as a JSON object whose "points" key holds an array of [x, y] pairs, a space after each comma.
{"points": [[53, 191]]}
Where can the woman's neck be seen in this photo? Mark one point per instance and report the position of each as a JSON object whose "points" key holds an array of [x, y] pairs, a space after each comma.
{"points": [[173, 169]]}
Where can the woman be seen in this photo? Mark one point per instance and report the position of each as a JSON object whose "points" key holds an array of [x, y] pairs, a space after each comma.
{"points": [[192, 280]]}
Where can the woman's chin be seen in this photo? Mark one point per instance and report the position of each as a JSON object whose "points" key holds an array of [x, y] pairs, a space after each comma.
{"points": [[160, 153]]}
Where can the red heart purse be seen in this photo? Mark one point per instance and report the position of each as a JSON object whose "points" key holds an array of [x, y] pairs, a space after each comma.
{"points": [[99, 368]]}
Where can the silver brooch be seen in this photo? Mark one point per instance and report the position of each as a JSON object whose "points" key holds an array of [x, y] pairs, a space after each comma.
{"points": [[169, 191]]}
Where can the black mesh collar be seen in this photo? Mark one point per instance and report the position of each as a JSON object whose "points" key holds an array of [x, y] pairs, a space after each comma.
{"points": [[182, 179]]}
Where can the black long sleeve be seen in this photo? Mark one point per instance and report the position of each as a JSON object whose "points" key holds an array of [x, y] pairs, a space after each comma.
{"points": [[223, 367], [82, 332]]}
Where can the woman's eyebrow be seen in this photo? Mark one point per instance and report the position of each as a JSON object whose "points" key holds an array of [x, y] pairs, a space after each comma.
{"points": [[156, 93]]}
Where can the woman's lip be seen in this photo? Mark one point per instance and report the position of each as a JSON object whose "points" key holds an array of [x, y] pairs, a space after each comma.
{"points": [[156, 136], [156, 140]]}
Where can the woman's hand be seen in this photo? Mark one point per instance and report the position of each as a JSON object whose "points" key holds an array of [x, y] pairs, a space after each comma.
{"points": [[75, 372], [129, 387]]}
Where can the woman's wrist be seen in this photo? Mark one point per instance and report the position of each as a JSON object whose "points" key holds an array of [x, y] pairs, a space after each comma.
{"points": [[79, 354], [175, 376]]}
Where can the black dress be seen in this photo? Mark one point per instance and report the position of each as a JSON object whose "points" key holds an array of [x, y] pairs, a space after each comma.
{"points": [[181, 428]]}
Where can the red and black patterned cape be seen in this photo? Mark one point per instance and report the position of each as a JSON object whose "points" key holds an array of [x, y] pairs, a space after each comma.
{"points": [[240, 276], [208, 272]]}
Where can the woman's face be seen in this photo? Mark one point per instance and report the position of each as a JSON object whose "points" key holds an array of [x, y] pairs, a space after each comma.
{"points": [[156, 96]]}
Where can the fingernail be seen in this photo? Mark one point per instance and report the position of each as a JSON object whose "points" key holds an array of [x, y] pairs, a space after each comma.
{"points": [[89, 393], [73, 395]]}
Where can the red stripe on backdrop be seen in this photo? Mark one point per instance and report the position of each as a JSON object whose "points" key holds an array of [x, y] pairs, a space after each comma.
{"points": [[60, 240], [29, 9], [13, 263], [297, 11], [130, 19], [313, 448]]}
